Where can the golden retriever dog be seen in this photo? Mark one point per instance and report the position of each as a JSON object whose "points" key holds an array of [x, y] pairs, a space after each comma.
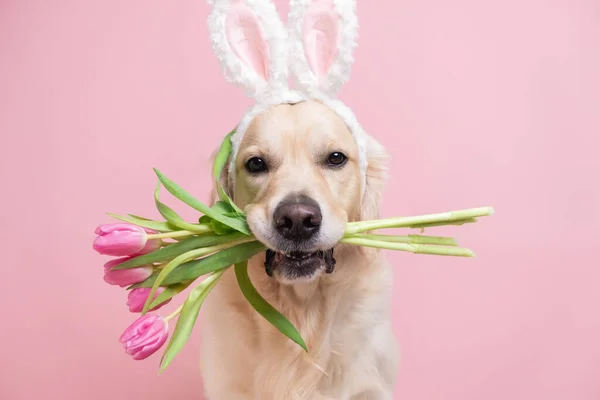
{"points": [[298, 179]]}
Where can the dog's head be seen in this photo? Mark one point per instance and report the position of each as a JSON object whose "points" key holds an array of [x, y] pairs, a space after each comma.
{"points": [[297, 176], [302, 165]]}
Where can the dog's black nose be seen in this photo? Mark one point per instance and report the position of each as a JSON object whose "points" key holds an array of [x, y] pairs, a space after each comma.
{"points": [[298, 218]]}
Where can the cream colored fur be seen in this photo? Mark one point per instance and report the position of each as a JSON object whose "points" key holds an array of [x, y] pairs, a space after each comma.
{"points": [[345, 317]]}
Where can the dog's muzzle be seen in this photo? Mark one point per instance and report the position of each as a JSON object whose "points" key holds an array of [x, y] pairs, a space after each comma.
{"points": [[299, 264]]}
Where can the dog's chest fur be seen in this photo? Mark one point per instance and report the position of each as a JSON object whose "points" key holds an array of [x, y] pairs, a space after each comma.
{"points": [[345, 323]]}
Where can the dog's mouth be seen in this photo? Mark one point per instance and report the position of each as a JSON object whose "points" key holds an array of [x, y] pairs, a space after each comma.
{"points": [[299, 264]]}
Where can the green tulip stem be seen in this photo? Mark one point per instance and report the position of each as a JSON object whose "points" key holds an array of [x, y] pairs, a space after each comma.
{"points": [[171, 235], [410, 247], [413, 239], [174, 313], [417, 221]]}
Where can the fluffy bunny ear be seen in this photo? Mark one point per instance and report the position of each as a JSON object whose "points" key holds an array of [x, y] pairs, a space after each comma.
{"points": [[249, 40], [322, 40]]}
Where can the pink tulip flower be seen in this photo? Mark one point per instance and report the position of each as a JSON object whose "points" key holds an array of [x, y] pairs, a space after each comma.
{"points": [[145, 336], [124, 239], [125, 277], [137, 298]]}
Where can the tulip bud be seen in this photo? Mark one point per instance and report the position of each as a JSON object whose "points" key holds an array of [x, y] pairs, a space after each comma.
{"points": [[145, 336], [137, 298], [124, 239], [125, 277]]}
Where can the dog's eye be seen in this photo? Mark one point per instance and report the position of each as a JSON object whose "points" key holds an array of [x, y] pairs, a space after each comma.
{"points": [[337, 159], [256, 165]]}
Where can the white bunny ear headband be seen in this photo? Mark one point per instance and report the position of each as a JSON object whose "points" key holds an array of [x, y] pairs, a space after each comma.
{"points": [[255, 49]]}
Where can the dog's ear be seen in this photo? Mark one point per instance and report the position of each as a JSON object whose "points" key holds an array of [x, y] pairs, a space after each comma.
{"points": [[376, 178]]}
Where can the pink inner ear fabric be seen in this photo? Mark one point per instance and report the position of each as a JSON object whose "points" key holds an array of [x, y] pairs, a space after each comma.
{"points": [[321, 35], [247, 38]]}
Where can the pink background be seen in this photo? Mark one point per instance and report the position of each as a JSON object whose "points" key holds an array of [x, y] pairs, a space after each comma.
{"points": [[480, 103]]}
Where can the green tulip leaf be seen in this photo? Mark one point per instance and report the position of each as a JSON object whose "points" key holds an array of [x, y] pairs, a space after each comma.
{"points": [[219, 164], [218, 227], [277, 319], [187, 318], [224, 208], [139, 217], [168, 293], [145, 223], [172, 217], [239, 223]]}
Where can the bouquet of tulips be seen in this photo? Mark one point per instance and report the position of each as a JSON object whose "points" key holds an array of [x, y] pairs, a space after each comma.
{"points": [[160, 259]]}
